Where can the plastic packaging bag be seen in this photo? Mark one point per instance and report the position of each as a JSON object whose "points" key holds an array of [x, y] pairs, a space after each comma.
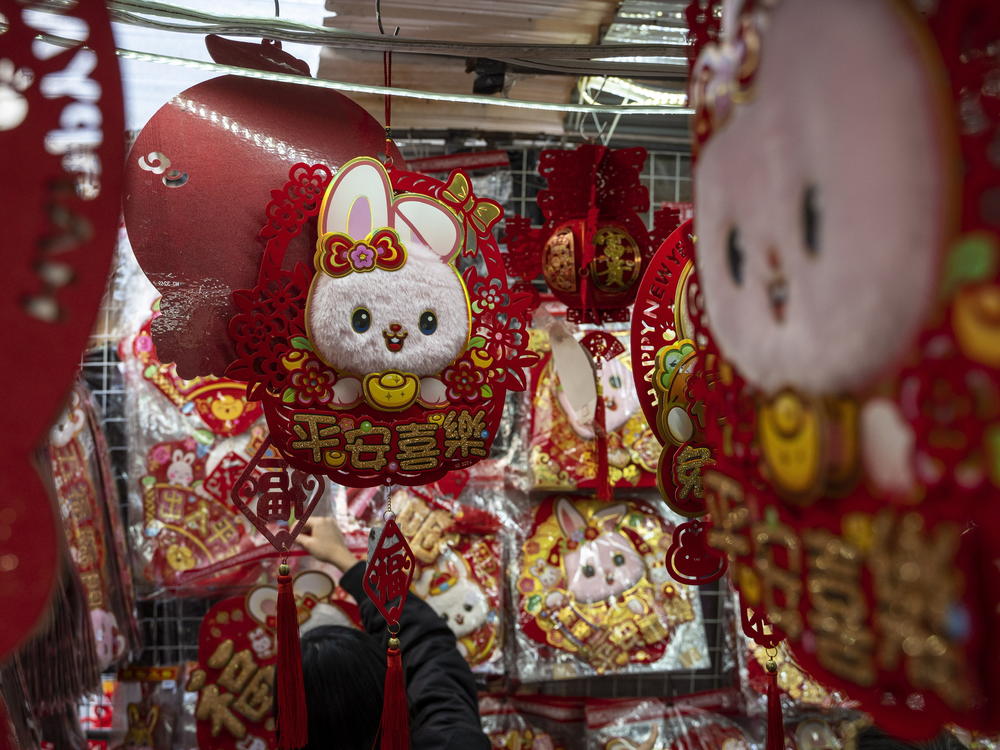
{"points": [[592, 596]]}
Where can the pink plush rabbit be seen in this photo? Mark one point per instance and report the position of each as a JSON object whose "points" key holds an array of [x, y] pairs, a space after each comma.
{"points": [[386, 297], [603, 563]]}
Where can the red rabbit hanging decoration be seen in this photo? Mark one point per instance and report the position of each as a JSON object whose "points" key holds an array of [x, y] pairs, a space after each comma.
{"points": [[842, 390], [383, 363]]}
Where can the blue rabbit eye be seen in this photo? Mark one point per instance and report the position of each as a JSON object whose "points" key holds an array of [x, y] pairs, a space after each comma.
{"points": [[428, 323], [588, 571], [361, 319], [618, 559]]}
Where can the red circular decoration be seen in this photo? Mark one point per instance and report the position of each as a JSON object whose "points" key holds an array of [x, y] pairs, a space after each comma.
{"points": [[61, 154], [196, 178]]}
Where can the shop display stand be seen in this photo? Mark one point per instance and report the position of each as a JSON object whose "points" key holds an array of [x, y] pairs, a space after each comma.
{"points": [[169, 626]]}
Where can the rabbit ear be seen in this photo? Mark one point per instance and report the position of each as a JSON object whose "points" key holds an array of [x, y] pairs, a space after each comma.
{"points": [[422, 220], [133, 714], [452, 562], [608, 518], [570, 520], [153, 716], [359, 200]]}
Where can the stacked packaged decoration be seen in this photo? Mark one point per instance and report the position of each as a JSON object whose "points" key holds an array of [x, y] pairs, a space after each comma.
{"points": [[589, 591], [92, 625], [189, 442], [532, 722], [454, 530], [821, 362]]}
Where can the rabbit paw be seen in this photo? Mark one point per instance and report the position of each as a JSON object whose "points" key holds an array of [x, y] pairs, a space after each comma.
{"points": [[888, 446], [432, 392], [555, 600], [346, 392]]}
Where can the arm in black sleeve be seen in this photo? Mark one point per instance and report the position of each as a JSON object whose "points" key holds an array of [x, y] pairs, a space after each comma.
{"points": [[444, 710]]}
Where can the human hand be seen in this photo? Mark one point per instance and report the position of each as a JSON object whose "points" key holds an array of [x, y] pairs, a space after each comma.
{"points": [[323, 539]]}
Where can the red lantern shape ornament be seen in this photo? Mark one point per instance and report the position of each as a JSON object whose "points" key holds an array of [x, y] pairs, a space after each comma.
{"points": [[61, 126], [847, 388], [594, 244], [382, 362]]}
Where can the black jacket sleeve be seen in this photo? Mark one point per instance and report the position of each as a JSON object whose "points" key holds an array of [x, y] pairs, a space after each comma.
{"points": [[444, 710]]}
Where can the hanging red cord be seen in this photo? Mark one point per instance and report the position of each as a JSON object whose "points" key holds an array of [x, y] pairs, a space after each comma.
{"points": [[387, 77]]}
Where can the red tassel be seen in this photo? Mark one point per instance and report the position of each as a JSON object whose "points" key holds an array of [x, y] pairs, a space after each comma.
{"points": [[601, 448], [775, 721], [293, 718], [395, 707]]}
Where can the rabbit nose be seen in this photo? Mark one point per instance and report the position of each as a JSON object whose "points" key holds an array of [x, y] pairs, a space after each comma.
{"points": [[609, 578], [395, 327]]}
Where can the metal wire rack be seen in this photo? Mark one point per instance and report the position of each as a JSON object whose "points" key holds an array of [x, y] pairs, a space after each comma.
{"points": [[170, 626]]}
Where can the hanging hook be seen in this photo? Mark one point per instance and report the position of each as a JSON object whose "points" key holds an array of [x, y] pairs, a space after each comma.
{"points": [[378, 18], [277, 8]]}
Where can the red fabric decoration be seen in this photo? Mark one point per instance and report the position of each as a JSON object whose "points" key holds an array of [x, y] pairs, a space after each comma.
{"points": [[395, 728], [775, 722], [874, 557], [293, 718], [61, 150]]}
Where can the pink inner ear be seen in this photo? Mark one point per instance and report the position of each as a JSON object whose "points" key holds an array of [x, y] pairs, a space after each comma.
{"points": [[359, 220], [567, 519]]}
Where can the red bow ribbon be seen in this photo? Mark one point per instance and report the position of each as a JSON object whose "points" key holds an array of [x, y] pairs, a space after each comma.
{"points": [[338, 254]]}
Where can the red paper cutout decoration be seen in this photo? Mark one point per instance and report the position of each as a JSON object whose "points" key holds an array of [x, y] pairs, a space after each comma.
{"points": [[389, 573], [593, 245], [275, 498], [381, 363], [854, 495], [61, 150], [665, 354]]}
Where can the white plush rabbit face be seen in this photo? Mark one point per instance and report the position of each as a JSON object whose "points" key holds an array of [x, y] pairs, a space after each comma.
{"points": [[463, 607], [601, 567], [410, 314], [821, 203], [451, 592]]}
